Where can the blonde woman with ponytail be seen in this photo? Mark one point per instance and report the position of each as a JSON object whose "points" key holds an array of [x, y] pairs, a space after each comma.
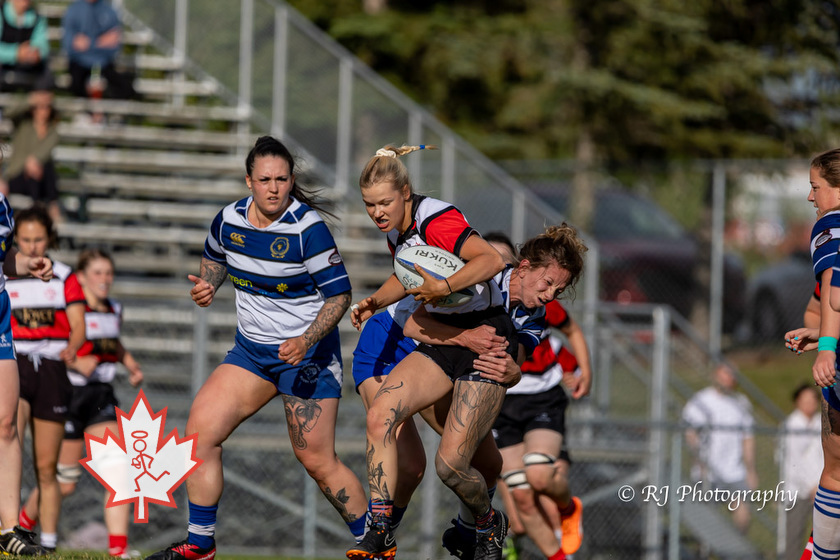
{"points": [[419, 379]]}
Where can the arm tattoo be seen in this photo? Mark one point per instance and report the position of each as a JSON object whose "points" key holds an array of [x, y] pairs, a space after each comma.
{"points": [[213, 273], [327, 319], [378, 487], [301, 417]]}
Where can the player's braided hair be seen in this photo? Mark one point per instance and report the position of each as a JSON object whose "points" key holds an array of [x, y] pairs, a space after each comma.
{"points": [[270, 146], [560, 244], [386, 166], [828, 164]]}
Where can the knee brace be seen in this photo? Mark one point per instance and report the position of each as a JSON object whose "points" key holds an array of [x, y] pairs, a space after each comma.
{"points": [[538, 459], [68, 474], [516, 479]]}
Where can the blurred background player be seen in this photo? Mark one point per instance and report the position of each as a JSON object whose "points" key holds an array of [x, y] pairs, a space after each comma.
{"points": [[93, 405], [13, 538], [48, 325]]}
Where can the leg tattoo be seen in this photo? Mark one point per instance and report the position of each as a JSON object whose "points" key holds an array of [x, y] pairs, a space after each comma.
{"points": [[301, 415]]}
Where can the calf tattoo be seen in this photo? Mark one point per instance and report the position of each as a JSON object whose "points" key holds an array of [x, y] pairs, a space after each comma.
{"points": [[339, 502], [376, 475]]}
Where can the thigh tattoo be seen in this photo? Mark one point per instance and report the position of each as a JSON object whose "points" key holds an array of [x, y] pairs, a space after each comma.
{"points": [[301, 415]]}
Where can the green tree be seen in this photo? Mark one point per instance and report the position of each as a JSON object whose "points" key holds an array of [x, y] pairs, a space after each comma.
{"points": [[636, 79]]}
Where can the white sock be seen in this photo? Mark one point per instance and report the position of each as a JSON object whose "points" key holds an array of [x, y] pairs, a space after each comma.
{"points": [[558, 535], [49, 539], [826, 525], [465, 517]]}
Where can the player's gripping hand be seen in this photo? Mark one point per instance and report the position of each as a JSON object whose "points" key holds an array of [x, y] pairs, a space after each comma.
{"points": [[293, 350], [362, 311], [431, 290], [482, 339], [498, 366], [202, 292]]}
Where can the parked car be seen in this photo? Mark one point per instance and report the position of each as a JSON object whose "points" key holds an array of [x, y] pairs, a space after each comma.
{"points": [[777, 296], [647, 256]]}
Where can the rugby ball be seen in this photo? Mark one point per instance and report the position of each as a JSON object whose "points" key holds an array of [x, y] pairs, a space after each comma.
{"points": [[437, 262]]}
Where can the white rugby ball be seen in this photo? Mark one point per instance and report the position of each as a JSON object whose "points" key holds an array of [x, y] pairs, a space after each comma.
{"points": [[437, 262]]}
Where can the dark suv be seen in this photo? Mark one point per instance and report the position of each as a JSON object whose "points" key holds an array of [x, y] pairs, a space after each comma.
{"points": [[646, 256]]}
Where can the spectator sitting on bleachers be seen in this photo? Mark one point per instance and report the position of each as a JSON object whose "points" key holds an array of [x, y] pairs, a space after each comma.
{"points": [[92, 39], [24, 47], [30, 170]]}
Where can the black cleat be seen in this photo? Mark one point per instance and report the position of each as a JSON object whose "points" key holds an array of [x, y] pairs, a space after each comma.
{"points": [[457, 544], [20, 542], [378, 543], [489, 544], [184, 551]]}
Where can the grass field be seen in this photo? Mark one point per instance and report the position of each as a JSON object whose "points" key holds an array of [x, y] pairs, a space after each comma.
{"points": [[777, 371], [89, 555]]}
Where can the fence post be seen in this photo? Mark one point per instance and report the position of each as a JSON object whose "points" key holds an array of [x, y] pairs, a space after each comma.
{"points": [[430, 488], [447, 187], [281, 59], [180, 44], [716, 281], [344, 136], [199, 369], [310, 515], [246, 56], [658, 406], [674, 521]]}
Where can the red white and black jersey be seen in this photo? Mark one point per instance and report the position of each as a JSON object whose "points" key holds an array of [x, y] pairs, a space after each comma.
{"points": [[438, 223], [544, 369], [102, 339], [39, 317]]}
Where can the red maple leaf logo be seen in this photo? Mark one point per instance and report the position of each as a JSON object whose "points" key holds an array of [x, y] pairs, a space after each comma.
{"points": [[141, 466]]}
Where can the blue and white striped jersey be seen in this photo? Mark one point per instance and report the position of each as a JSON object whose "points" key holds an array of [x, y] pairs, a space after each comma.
{"points": [[282, 273], [530, 323], [825, 240], [7, 225]]}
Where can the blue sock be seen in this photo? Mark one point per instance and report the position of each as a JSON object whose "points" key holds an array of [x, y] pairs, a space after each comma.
{"points": [[202, 525], [357, 527], [397, 515]]}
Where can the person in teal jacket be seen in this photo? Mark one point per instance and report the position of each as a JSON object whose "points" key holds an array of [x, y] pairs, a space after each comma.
{"points": [[24, 47]]}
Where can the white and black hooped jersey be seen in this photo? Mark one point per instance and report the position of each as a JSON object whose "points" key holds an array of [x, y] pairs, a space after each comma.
{"points": [[438, 223], [39, 311], [282, 273], [102, 339]]}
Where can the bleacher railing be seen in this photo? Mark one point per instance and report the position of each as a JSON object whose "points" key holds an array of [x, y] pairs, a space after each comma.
{"points": [[297, 83]]}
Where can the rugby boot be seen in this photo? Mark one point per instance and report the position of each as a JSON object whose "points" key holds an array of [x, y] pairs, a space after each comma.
{"points": [[184, 550], [20, 542], [490, 544]]}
